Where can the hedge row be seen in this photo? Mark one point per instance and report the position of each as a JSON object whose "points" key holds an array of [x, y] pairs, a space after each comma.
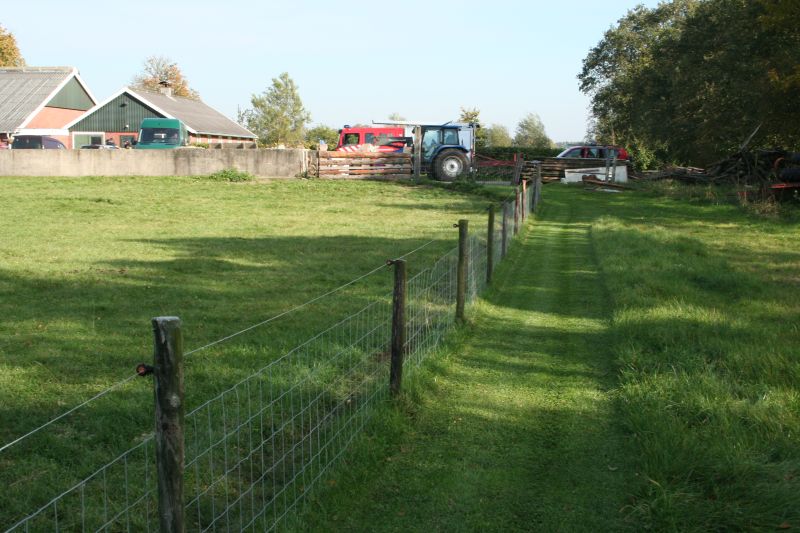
{"points": [[507, 152]]}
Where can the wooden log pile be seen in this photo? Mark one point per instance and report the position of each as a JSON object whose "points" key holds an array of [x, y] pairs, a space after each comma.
{"points": [[744, 167], [364, 165], [553, 167]]}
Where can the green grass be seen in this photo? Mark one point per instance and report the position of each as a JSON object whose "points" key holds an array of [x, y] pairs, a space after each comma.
{"points": [[635, 366], [85, 263]]}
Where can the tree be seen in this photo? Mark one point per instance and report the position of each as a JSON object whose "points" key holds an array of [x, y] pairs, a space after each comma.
{"points": [[325, 133], [278, 115], [158, 70], [470, 114], [473, 116], [397, 117], [497, 136], [530, 133], [689, 80], [9, 53]]}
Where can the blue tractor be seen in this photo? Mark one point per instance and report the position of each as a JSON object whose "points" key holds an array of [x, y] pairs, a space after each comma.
{"points": [[447, 149]]}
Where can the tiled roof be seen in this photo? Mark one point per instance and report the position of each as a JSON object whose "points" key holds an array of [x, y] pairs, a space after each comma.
{"points": [[24, 89], [198, 116]]}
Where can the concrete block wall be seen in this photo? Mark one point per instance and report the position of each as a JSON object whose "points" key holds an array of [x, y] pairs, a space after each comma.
{"points": [[274, 163]]}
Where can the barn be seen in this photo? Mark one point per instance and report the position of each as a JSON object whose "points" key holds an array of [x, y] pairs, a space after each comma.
{"points": [[41, 101], [117, 119]]}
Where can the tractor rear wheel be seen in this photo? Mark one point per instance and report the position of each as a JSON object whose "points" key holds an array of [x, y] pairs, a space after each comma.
{"points": [[450, 165]]}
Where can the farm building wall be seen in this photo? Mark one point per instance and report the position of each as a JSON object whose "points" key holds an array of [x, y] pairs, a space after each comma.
{"points": [[182, 162]]}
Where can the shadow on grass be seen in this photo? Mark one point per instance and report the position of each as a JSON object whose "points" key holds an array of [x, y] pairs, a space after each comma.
{"points": [[71, 335]]}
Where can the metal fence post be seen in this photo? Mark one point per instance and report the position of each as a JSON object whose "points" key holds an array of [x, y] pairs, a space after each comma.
{"points": [[504, 245], [461, 282], [169, 442], [516, 209], [398, 327], [490, 246]]}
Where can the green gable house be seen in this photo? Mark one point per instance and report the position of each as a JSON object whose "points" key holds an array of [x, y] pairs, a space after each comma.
{"points": [[41, 101], [117, 120]]}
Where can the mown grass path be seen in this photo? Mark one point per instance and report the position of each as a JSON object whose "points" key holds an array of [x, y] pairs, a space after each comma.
{"points": [[517, 431]]}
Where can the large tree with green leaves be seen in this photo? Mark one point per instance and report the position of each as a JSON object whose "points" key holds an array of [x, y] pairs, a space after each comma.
{"points": [[278, 116], [688, 80], [10, 55], [530, 133], [159, 71]]}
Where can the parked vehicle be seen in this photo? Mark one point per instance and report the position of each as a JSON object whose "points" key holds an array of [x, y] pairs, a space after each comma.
{"points": [[98, 147], [36, 142], [593, 151], [447, 149], [162, 134], [369, 139]]}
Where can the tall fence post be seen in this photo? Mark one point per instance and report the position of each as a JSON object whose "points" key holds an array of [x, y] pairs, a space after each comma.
{"points": [[169, 442], [398, 327], [504, 233], [518, 164], [461, 280], [523, 202], [490, 246], [417, 152], [537, 190], [516, 209]]}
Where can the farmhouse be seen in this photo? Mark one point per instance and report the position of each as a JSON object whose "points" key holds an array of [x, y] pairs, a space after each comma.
{"points": [[118, 119], [41, 101]]}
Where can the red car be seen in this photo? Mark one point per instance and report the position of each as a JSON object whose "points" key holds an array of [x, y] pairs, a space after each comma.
{"points": [[593, 151]]}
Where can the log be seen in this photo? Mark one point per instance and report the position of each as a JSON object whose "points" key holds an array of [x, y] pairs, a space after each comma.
{"points": [[370, 155]]}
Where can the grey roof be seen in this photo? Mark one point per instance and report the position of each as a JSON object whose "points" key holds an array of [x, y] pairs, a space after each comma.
{"points": [[198, 116], [24, 89]]}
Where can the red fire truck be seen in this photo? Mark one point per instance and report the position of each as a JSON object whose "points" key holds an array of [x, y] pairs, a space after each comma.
{"points": [[371, 139]]}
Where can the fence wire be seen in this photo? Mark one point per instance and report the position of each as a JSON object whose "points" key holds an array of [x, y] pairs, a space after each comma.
{"points": [[254, 451]]}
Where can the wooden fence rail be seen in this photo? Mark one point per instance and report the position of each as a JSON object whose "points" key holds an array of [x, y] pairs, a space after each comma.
{"points": [[364, 164]]}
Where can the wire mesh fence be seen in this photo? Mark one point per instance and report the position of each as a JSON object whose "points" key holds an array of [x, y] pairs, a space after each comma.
{"points": [[254, 451]]}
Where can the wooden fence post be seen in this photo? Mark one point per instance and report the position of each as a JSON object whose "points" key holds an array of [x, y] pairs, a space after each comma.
{"points": [[504, 233], [417, 152], [516, 209], [168, 386], [490, 245], [518, 164], [523, 202], [461, 279], [537, 190], [398, 327]]}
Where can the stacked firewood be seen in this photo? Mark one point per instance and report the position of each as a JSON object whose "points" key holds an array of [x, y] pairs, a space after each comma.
{"points": [[744, 167]]}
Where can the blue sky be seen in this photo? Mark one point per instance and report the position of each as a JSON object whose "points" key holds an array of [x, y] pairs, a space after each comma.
{"points": [[354, 62]]}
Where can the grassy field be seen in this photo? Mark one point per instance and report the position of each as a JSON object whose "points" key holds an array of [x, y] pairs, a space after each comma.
{"points": [[635, 367], [85, 263]]}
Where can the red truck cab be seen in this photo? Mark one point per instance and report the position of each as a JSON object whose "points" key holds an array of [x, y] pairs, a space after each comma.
{"points": [[370, 139]]}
